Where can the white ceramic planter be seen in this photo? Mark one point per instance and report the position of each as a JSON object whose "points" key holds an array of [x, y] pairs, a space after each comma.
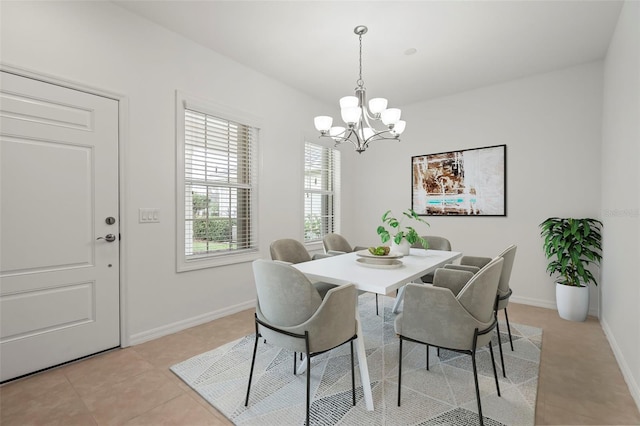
{"points": [[402, 248], [572, 302]]}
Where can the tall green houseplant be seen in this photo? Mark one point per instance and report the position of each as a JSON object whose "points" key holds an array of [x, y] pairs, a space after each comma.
{"points": [[571, 245]]}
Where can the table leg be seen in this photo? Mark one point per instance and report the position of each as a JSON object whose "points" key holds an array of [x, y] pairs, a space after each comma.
{"points": [[303, 365], [362, 363], [399, 297]]}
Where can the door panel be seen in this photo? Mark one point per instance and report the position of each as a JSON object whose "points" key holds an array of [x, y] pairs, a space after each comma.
{"points": [[36, 203], [59, 289], [80, 299]]}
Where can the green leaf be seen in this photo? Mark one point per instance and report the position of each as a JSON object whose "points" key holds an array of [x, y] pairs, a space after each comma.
{"points": [[423, 242], [574, 225], [398, 238]]}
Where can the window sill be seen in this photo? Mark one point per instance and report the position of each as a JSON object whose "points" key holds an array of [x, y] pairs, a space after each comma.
{"points": [[216, 261]]}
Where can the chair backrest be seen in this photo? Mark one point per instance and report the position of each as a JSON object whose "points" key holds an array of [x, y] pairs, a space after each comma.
{"points": [[435, 243], [478, 296], [289, 250], [336, 242], [509, 255], [285, 295]]}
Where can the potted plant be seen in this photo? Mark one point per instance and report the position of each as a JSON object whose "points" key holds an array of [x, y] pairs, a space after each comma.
{"points": [[571, 245], [403, 236]]}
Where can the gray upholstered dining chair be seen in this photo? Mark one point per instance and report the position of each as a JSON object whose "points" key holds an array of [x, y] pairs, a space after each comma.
{"points": [[434, 243], [455, 313], [335, 244], [474, 264], [291, 314], [293, 251]]}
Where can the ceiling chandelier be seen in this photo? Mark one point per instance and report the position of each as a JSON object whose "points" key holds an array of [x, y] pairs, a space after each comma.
{"points": [[361, 120]]}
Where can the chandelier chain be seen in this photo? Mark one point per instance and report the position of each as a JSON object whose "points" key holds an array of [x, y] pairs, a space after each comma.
{"points": [[360, 81]]}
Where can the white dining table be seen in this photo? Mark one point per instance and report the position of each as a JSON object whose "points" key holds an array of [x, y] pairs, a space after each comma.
{"points": [[345, 269]]}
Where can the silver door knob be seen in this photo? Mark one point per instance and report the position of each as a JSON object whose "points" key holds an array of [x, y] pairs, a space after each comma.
{"points": [[109, 237]]}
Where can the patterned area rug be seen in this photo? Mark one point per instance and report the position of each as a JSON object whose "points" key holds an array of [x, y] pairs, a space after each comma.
{"points": [[444, 395]]}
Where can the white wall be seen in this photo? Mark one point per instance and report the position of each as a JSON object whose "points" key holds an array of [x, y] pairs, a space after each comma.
{"points": [[104, 46], [551, 124], [620, 195]]}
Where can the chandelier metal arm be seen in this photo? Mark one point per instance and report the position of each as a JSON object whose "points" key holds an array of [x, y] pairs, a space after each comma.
{"points": [[359, 143]]}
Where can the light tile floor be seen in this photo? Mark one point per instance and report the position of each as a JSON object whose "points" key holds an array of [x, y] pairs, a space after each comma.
{"points": [[580, 382]]}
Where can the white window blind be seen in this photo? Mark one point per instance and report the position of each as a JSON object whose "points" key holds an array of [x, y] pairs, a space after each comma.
{"points": [[321, 191], [220, 177]]}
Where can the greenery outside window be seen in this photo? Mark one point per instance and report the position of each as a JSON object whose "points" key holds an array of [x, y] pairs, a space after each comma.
{"points": [[321, 192], [218, 185]]}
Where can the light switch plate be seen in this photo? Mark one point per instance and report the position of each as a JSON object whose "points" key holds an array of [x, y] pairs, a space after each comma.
{"points": [[149, 215]]}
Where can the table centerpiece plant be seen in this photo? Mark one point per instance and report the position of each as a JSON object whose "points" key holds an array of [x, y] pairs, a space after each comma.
{"points": [[403, 236]]}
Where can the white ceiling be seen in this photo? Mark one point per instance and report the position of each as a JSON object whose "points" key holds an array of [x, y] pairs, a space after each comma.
{"points": [[460, 45]]}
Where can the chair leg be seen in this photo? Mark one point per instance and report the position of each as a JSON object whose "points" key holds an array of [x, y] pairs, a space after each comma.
{"points": [[493, 364], [428, 356], [377, 304], [253, 362], [399, 369], [353, 377], [295, 370], [504, 372], [475, 378], [438, 352], [306, 340], [508, 327]]}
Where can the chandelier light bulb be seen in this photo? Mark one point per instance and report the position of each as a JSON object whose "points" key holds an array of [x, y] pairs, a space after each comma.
{"points": [[323, 123], [398, 128], [348, 102], [367, 132], [377, 105], [390, 116], [351, 115]]}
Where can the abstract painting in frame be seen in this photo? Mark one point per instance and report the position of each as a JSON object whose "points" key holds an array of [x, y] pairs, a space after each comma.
{"points": [[469, 182]]}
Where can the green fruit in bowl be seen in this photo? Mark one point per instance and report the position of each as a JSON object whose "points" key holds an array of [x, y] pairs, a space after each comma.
{"points": [[379, 251]]}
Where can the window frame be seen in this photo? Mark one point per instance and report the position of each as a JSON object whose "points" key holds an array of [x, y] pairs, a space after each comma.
{"points": [[183, 263], [335, 193]]}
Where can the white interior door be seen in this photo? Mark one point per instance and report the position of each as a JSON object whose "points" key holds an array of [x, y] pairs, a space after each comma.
{"points": [[59, 284]]}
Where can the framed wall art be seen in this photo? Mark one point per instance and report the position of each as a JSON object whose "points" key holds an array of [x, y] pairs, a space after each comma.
{"points": [[469, 182]]}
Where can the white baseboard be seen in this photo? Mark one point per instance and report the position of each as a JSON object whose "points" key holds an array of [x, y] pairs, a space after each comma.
{"points": [[593, 311], [533, 302], [634, 387], [165, 330]]}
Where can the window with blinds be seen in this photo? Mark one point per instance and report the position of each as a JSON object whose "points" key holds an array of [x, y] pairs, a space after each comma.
{"points": [[220, 177], [321, 191]]}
